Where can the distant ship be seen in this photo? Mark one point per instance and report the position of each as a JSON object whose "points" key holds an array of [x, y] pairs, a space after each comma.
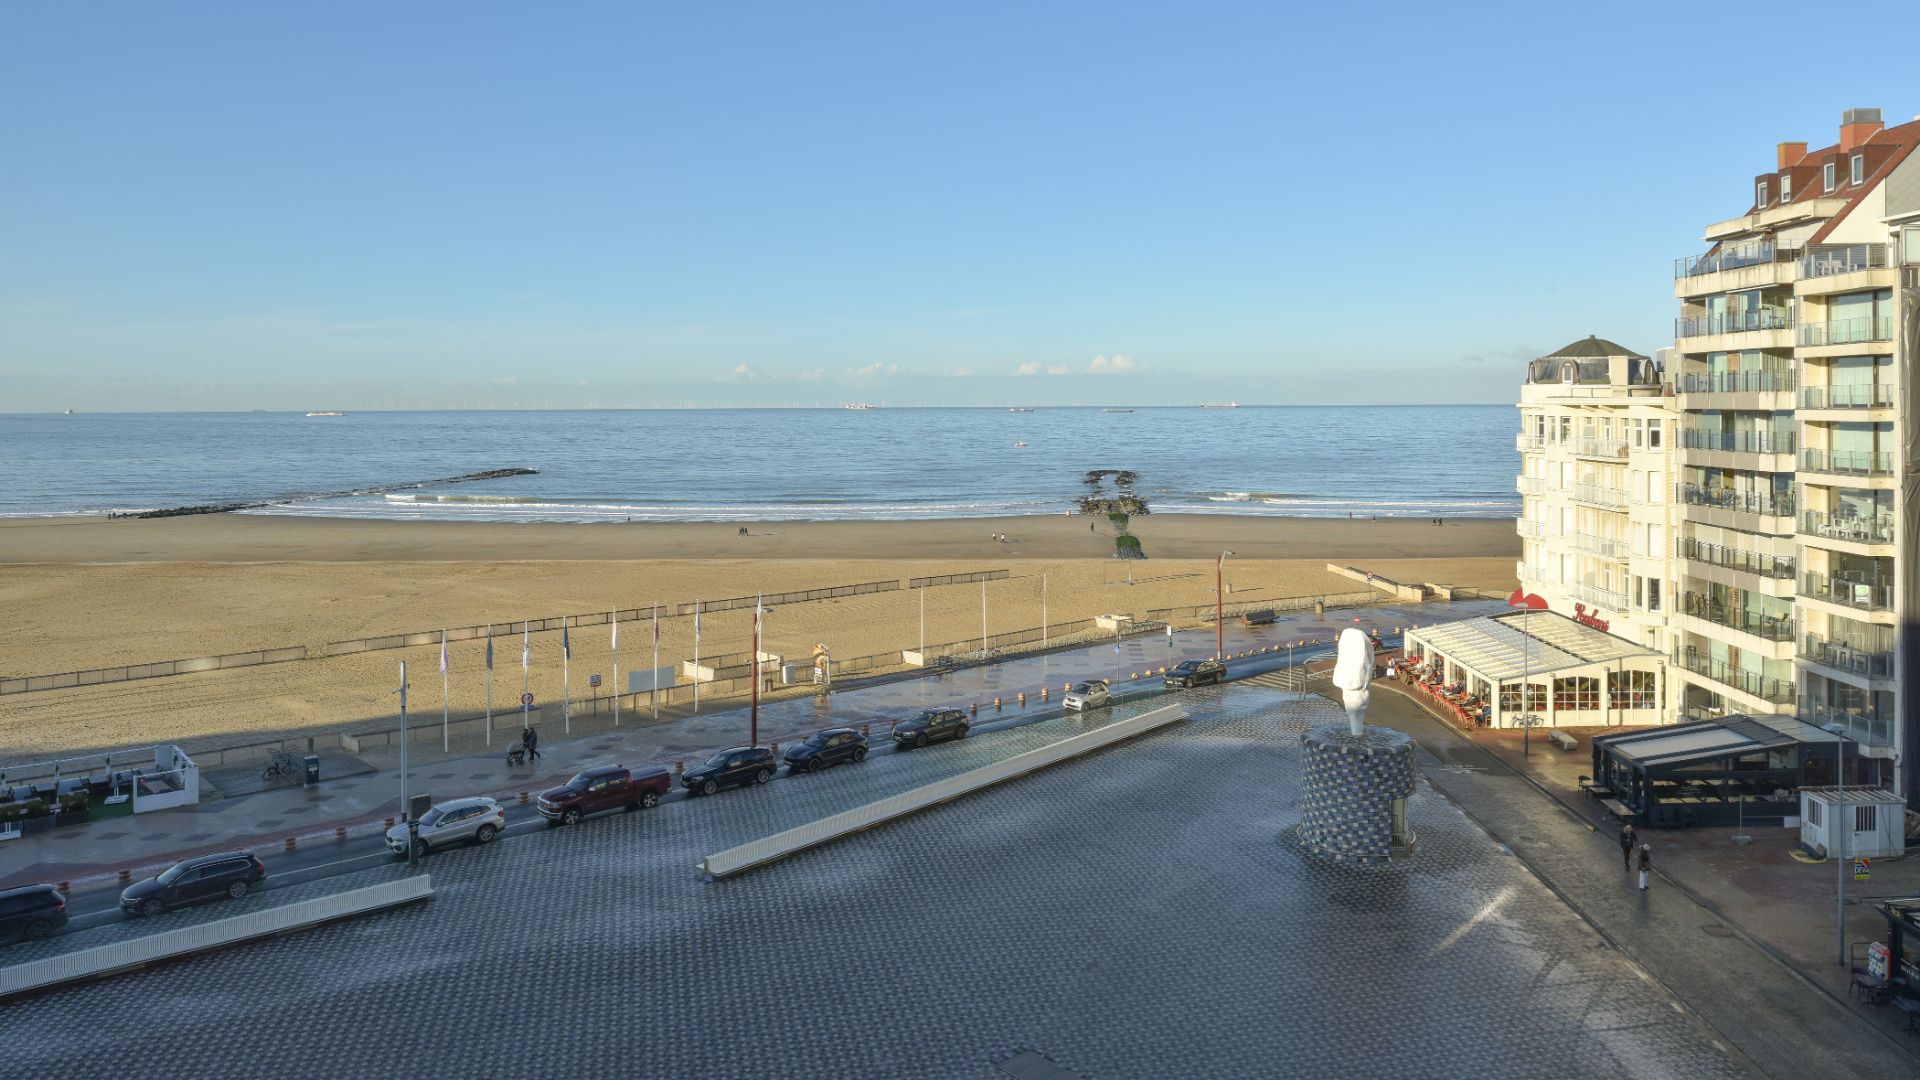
{"points": [[1019, 410], [1023, 446], [857, 405], [1228, 405], [69, 412], [326, 414], [1116, 410]]}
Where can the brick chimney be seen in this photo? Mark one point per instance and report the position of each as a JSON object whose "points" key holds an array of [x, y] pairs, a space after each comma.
{"points": [[1789, 153], [1857, 125]]}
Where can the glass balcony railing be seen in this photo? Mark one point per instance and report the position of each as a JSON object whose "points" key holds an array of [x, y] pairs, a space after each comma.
{"points": [[1859, 658], [1863, 728], [1524, 442], [1847, 331], [1764, 687], [1733, 322], [1604, 546], [1598, 596], [1729, 257], [1770, 566], [1530, 485], [1535, 529], [1864, 595], [1848, 462], [1739, 442], [1613, 449], [1860, 530], [1847, 396], [1760, 625], [1826, 261], [1600, 495], [1746, 502], [1733, 382]]}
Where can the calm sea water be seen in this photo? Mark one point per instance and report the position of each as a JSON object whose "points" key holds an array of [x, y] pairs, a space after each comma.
{"points": [[724, 465]]}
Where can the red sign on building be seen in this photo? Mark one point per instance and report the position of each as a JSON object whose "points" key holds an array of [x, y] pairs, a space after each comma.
{"points": [[1589, 618]]}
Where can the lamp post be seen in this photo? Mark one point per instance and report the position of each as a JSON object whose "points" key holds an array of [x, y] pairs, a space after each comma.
{"points": [[1219, 592], [1834, 832]]}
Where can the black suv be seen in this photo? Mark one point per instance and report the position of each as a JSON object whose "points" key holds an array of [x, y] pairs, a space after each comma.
{"points": [[31, 912], [1196, 673], [824, 748], [194, 881], [930, 726], [740, 765]]}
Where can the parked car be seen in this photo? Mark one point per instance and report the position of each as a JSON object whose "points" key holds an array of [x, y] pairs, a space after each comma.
{"points": [[824, 748], [31, 912], [739, 765], [478, 819], [194, 881], [1196, 673], [932, 725], [605, 788], [1087, 695]]}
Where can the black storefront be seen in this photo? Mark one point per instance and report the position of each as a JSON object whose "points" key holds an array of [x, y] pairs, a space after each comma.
{"points": [[1730, 771]]}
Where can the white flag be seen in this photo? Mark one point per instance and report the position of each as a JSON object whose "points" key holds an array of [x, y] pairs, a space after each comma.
{"points": [[526, 648], [443, 652], [696, 621], [613, 620]]}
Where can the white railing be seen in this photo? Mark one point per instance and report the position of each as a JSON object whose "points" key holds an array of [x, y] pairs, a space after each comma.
{"points": [[1604, 546], [1601, 448], [1598, 596], [781, 844], [134, 952], [1530, 485], [1600, 495], [1534, 529]]}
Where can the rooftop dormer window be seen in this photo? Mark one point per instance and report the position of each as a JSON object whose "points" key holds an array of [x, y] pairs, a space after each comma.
{"points": [[1856, 168], [1826, 176], [1760, 195], [1786, 187]]}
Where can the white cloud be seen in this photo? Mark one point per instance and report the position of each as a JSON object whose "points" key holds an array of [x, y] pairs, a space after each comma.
{"points": [[743, 373], [812, 376], [873, 369], [1119, 363], [1056, 369], [1027, 369]]}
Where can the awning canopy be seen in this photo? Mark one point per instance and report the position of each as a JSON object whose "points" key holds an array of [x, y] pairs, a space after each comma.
{"points": [[1706, 740], [1502, 648]]}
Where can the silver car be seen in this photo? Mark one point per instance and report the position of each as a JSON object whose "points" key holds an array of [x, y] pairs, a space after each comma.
{"points": [[1087, 695], [478, 819]]}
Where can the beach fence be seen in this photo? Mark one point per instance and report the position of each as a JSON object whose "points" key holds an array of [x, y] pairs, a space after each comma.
{"points": [[158, 669], [958, 579], [1204, 613]]}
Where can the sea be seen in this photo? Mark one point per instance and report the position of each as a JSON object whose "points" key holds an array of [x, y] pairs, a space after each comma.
{"points": [[766, 464]]}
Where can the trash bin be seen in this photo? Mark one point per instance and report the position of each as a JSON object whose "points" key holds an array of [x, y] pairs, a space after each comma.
{"points": [[312, 769]]}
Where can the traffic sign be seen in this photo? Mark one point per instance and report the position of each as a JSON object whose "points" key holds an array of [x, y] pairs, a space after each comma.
{"points": [[526, 699], [593, 681], [1862, 869]]}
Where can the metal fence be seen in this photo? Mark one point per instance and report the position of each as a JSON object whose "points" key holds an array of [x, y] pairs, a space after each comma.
{"points": [[1205, 612], [958, 579], [158, 669]]}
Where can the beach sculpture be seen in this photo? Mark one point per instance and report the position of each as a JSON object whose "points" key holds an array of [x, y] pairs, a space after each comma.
{"points": [[1355, 780]]}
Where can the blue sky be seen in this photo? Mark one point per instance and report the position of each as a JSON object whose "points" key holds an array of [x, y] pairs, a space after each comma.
{"points": [[446, 205]]}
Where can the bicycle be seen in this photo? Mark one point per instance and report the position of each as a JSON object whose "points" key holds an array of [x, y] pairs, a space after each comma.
{"points": [[282, 766]]}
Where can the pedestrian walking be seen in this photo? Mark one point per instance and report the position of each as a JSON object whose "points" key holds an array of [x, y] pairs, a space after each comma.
{"points": [[1646, 864], [1089, 526], [1627, 838], [531, 740]]}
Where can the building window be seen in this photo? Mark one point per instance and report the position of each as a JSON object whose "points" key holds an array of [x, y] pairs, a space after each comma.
{"points": [[1653, 594], [1910, 245], [1813, 813], [1826, 176], [1633, 689], [1865, 818], [1760, 194], [1786, 187], [1857, 168], [1653, 434], [1577, 692]]}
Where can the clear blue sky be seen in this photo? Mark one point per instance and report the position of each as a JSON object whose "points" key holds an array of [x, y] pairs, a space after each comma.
{"points": [[356, 205]]}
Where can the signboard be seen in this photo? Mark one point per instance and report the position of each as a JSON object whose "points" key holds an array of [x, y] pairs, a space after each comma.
{"points": [[1878, 956], [593, 681], [526, 699], [1581, 614], [646, 679], [1862, 869]]}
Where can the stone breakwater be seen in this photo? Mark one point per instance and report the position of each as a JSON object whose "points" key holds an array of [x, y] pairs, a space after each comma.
{"points": [[378, 489]]}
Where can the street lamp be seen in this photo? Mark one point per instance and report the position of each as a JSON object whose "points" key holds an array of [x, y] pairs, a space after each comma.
{"points": [[1219, 622], [1839, 858]]}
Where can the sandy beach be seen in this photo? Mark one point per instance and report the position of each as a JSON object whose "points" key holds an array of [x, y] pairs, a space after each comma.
{"points": [[89, 593]]}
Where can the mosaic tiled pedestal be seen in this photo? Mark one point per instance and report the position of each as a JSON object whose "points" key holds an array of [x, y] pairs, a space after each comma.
{"points": [[1353, 792]]}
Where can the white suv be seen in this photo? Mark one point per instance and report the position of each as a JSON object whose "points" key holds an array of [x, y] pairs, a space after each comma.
{"points": [[478, 819]]}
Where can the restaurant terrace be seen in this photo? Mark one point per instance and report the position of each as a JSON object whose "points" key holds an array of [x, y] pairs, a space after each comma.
{"points": [[1577, 676]]}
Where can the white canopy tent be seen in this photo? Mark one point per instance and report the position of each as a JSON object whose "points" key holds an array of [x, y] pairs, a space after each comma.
{"points": [[1579, 676]]}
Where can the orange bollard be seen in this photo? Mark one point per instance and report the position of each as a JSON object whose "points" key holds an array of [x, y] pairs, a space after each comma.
{"points": [[679, 767], [1065, 686], [1043, 693], [66, 886], [776, 751], [389, 823], [126, 877], [523, 798], [289, 843], [339, 832], [1023, 698]]}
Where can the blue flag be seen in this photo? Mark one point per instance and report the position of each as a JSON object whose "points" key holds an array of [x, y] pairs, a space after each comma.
{"points": [[566, 644], [489, 648]]}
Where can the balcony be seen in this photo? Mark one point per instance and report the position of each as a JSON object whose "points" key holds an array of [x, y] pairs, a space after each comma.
{"points": [[1726, 257], [1734, 382], [1732, 322], [1738, 442], [1608, 449], [1858, 658], [1769, 627], [1529, 573], [1860, 595], [1828, 261], [1865, 729], [1847, 331], [1858, 530], [1764, 687], [1847, 396], [1745, 502], [1600, 495], [1848, 462], [1604, 546], [1598, 596], [1524, 442], [1780, 567], [1530, 485], [1534, 529]]}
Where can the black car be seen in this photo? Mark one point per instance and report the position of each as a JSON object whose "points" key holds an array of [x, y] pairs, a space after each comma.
{"points": [[1196, 673], [31, 912], [930, 726], [740, 765], [194, 881], [824, 748]]}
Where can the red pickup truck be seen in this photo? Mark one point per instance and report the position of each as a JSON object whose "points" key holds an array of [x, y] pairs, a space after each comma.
{"points": [[603, 788]]}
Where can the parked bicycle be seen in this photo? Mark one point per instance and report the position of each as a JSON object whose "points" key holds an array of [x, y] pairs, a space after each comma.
{"points": [[282, 766]]}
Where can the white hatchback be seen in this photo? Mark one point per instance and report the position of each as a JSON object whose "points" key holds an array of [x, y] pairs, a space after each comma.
{"points": [[1087, 695]]}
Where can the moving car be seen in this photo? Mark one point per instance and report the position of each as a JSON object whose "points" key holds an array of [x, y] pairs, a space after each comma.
{"points": [[931, 725], [605, 788], [478, 819], [824, 748], [194, 881], [739, 765], [1196, 673], [1087, 695], [31, 912]]}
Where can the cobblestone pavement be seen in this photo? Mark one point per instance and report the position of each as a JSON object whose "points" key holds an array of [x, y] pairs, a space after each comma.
{"points": [[1141, 912]]}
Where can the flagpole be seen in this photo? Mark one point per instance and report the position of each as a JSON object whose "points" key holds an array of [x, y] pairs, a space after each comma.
{"points": [[1043, 613], [753, 665], [489, 684], [923, 628], [696, 657], [613, 618], [654, 694], [984, 648], [444, 693], [404, 803], [566, 681], [526, 675]]}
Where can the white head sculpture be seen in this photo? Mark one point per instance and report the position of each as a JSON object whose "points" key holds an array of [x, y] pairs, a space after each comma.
{"points": [[1353, 674]]}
